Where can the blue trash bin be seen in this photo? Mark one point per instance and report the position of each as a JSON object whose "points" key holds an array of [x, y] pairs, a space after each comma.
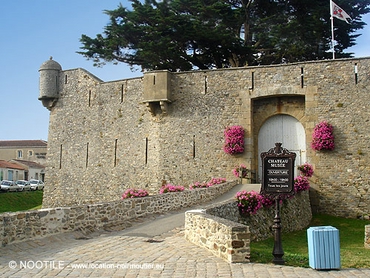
{"points": [[323, 247]]}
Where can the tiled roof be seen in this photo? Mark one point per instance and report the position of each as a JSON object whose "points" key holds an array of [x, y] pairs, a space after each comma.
{"points": [[30, 164], [10, 165], [23, 143]]}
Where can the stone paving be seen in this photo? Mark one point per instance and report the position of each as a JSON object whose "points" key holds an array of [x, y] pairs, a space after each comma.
{"points": [[114, 254], [152, 247]]}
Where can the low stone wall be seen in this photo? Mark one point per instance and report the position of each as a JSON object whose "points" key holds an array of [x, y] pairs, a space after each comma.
{"points": [[24, 225], [224, 238], [367, 237], [295, 214], [220, 228]]}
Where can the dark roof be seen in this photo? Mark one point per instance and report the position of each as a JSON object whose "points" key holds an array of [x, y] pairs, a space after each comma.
{"points": [[29, 164], [10, 165], [23, 143]]}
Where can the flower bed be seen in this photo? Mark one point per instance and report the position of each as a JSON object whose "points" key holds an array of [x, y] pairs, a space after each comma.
{"points": [[134, 193], [198, 184], [212, 182], [171, 188]]}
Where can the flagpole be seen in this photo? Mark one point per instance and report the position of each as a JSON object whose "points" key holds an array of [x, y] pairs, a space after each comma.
{"points": [[332, 28]]}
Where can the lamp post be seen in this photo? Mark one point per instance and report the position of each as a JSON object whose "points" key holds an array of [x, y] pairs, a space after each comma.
{"points": [[241, 175], [277, 179], [277, 252]]}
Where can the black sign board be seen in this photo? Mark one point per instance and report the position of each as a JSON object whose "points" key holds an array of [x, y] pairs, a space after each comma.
{"points": [[277, 171]]}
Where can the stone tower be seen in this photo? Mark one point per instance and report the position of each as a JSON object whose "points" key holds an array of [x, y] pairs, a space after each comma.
{"points": [[49, 83]]}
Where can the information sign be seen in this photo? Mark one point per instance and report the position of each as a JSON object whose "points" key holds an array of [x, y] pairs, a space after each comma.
{"points": [[277, 170]]}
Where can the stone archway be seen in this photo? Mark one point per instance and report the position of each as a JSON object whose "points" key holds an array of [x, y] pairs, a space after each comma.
{"points": [[287, 130]]}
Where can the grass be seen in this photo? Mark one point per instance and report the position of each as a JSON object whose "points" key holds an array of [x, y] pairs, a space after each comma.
{"points": [[18, 201], [295, 246]]}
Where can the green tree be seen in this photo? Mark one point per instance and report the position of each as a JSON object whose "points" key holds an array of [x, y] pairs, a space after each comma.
{"points": [[204, 34]]}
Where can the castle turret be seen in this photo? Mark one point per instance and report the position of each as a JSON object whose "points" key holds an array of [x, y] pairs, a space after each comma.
{"points": [[49, 83]]}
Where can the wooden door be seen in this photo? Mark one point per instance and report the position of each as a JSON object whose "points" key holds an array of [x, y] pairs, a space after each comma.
{"points": [[284, 129]]}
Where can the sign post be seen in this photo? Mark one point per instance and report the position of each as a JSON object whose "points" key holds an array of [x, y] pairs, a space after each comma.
{"points": [[277, 180]]}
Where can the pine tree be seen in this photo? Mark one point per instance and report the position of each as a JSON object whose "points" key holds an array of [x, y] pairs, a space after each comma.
{"points": [[180, 35]]}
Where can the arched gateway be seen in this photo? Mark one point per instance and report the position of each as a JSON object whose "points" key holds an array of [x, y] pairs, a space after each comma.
{"points": [[287, 130]]}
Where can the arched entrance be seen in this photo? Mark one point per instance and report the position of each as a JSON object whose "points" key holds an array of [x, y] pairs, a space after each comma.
{"points": [[286, 130]]}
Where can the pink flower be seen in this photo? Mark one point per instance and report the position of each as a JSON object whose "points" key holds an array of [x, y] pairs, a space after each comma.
{"points": [[134, 193], [241, 168], [234, 140], [267, 202], [301, 183], [171, 188], [249, 202], [306, 170], [198, 185], [212, 182], [322, 137]]}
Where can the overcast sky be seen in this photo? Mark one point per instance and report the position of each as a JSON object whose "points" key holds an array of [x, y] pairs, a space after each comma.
{"points": [[33, 30]]}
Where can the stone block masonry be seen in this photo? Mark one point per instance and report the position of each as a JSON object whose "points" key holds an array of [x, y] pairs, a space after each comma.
{"points": [[220, 229], [367, 237], [105, 137], [25, 225], [224, 238], [296, 214]]}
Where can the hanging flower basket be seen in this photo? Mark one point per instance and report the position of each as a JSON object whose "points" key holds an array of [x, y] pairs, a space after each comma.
{"points": [[322, 137], [234, 140]]}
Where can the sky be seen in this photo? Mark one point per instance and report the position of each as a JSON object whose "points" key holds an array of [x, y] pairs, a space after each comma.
{"points": [[32, 31]]}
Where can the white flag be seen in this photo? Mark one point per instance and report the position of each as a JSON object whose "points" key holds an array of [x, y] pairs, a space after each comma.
{"points": [[338, 12]]}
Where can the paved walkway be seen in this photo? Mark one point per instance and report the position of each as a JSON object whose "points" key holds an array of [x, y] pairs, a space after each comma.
{"points": [[140, 251]]}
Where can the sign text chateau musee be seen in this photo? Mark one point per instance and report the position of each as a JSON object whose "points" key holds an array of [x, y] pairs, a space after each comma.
{"points": [[277, 170]]}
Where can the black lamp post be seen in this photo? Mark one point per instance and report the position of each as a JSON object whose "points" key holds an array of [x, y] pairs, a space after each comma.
{"points": [[277, 252], [277, 179]]}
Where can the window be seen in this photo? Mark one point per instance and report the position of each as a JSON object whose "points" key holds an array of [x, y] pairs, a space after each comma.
{"points": [[30, 153], [19, 154]]}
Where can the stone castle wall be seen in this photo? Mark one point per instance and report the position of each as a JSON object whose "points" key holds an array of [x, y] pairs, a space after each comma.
{"points": [[105, 136]]}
